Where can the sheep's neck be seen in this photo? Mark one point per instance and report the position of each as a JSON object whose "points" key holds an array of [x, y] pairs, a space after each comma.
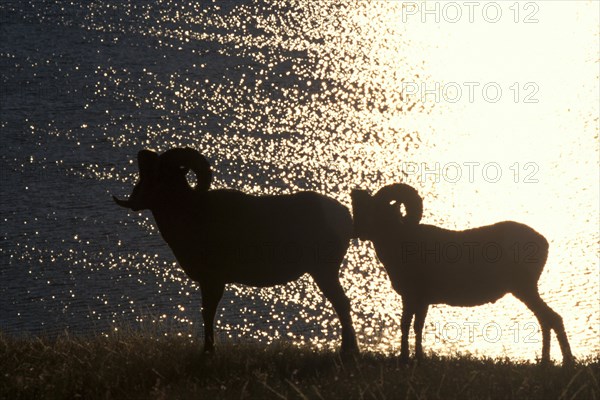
{"points": [[174, 220], [391, 233], [389, 243]]}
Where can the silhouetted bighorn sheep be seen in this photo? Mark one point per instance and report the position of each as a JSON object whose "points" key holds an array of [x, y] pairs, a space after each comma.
{"points": [[430, 265], [226, 236]]}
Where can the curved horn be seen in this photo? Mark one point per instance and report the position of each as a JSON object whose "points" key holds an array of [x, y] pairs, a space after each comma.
{"points": [[405, 194], [191, 159]]}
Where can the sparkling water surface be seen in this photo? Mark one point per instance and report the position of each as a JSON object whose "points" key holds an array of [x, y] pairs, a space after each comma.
{"points": [[283, 96]]}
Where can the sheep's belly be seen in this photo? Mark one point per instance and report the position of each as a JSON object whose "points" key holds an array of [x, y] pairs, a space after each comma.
{"points": [[468, 298], [260, 280], [246, 274]]}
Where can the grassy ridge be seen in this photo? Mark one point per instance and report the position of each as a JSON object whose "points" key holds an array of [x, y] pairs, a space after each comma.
{"points": [[134, 365]]}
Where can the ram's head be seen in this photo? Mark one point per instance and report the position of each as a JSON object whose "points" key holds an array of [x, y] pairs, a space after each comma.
{"points": [[165, 175], [373, 213]]}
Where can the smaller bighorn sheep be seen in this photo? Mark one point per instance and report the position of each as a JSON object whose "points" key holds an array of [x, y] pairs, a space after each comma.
{"points": [[430, 265], [226, 236]]}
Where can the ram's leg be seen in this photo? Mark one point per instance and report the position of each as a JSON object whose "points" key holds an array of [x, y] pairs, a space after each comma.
{"points": [[531, 299], [420, 314], [211, 295], [561, 335], [555, 322], [329, 284], [548, 319], [407, 314]]}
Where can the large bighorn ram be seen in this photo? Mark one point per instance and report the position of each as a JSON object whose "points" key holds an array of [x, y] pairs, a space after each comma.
{"points": [[430, 265], [226, 236]]}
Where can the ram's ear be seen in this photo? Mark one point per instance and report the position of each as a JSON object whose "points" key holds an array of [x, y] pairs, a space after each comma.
{"points": [[147, 162]]}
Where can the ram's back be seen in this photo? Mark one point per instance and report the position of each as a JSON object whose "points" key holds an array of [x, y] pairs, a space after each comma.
{"points": [[302, 216], [468, 267]]}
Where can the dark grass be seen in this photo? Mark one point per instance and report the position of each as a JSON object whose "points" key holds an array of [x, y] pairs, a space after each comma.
{"points": [[138, 366]]}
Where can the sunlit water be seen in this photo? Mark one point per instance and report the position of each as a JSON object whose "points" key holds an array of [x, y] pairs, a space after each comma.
{"points": [[282, 97]]}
